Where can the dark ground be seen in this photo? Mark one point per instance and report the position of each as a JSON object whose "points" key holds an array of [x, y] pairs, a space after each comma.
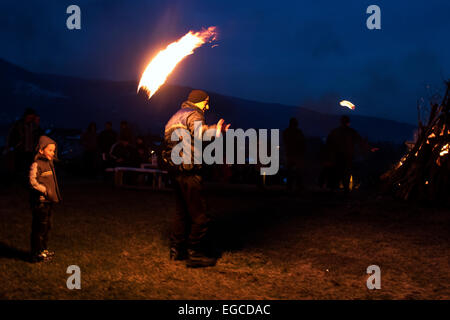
{"points": [[312, 246]]}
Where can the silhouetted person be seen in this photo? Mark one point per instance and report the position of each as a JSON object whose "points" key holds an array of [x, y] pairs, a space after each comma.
{"points": [[22, 140], [143, 154], [122, 153], [38, 131], [341, 143], [294, 142], [106, 139], [90, 149], [125, 132]]}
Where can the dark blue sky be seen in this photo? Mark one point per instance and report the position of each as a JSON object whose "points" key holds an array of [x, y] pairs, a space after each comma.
{"points": [[302, 53]]}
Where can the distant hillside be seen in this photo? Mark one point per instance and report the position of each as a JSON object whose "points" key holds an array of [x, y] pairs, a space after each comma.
{"points": [[74, 102]]}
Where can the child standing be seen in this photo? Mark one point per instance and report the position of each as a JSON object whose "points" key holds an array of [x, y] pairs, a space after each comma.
{"points": [[44, 194]]}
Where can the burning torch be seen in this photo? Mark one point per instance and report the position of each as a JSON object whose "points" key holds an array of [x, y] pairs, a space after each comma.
{"points": [[162, 65]]}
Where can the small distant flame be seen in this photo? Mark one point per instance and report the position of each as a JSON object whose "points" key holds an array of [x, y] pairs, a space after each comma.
{"points": [[347, 104], [444, 150], [402, 160], [157, 71]]}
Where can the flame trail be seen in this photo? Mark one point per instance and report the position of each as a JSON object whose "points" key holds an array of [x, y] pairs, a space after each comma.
{"points": [[160, 67], [347, 104]]}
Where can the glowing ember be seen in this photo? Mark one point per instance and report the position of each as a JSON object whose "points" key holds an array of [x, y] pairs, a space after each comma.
{"points": [[347, 104], [444, 150], [402, 160], [157, 71]]}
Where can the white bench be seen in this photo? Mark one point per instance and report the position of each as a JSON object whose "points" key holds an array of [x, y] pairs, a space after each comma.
{"points": [[157, 175]]}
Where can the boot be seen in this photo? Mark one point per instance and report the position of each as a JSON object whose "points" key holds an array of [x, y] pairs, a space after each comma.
{"points": [[178, 254], [199, 260]]}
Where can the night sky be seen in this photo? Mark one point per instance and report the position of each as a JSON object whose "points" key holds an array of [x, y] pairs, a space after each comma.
{"points": [[300, 53]]}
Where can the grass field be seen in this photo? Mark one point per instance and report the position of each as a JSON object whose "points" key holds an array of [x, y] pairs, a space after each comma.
{"points": [[313, 246]]}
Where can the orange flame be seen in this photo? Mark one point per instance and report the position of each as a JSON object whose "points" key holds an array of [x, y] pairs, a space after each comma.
{"points": [[444, 150], [160, 67], [347, 104]]}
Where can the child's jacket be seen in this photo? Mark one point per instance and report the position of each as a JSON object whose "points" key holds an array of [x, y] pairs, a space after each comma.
{"points": [[42, 176]]}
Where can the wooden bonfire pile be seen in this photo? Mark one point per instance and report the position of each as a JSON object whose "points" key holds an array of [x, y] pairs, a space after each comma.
{"points": [[423, 173]]}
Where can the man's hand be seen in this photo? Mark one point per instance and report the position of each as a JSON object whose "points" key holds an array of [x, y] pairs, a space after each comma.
{"points": [[220, 127]]}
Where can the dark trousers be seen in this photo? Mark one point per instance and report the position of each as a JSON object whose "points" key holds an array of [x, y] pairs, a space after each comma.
{"points": [[326, 176], [190, 222], [41, 225], [23, 161], [342, 174], [294, 178], [346, 173], [294, 165]]}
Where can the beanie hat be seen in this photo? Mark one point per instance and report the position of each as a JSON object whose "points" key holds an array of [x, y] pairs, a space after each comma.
{"points": [[44, 141], [197, 96]]}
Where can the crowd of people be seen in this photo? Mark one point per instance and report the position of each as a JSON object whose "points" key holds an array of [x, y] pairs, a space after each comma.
{"points": [[21, 142], [99, 150], [337, 155], [109, 149]]}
